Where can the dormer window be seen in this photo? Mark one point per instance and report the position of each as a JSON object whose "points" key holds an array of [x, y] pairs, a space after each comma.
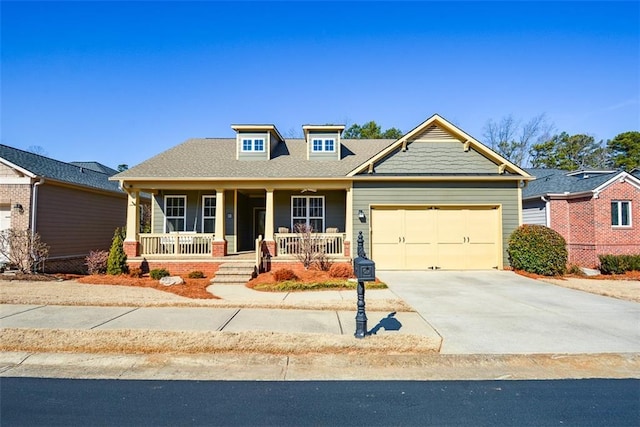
{"points": [[253, 145], [324, 145]]}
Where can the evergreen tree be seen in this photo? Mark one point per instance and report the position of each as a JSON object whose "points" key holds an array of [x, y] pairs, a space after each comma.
{"points": [[117, 262]]}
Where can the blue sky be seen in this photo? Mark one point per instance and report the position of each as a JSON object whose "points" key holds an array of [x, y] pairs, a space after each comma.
{"points": [[118, 82]]}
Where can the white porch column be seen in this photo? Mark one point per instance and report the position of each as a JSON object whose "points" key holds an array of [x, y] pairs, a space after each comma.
{"points": [[133, 216], [348, 222], [220, 215], [268, 220]]}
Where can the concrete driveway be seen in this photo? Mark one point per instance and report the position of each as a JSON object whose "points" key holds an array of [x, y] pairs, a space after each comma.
{"points": [[500, 312]]}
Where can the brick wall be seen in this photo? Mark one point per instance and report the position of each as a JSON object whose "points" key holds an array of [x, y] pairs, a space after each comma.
{"points": [[585, 223], [10, 194], [617, 240]]}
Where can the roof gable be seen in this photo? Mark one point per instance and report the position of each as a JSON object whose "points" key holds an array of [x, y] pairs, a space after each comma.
{"points": [[556, 182], [442, 138], [35, 165]]}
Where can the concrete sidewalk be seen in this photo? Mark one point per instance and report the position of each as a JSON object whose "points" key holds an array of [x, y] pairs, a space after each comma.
{"points": [[207, 319]]}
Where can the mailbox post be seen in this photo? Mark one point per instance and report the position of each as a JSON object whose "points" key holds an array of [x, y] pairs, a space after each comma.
{"points": [[365, 270]]}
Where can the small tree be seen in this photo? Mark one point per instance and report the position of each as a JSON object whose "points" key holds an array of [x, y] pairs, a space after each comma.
{"points": [[23, 250], [309, 251], [117, 262]]}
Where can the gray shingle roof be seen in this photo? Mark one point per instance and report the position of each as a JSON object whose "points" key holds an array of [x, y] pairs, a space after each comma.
{"points": [[95, 166], [556, 181], [216, 158], [54, 169]]}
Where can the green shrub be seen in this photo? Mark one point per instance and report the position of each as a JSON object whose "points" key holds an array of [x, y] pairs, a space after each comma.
{"points": [[158, 273], [537, 249], [619, 264], [196, 275], [117, 262]]}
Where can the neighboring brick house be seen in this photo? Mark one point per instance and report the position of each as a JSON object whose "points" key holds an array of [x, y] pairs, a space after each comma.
{"points": [[72, 206], [435, 198], [597, 212]]}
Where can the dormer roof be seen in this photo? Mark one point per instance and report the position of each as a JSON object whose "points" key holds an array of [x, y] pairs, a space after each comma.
{"points": [[258, 128], [321, 128]]}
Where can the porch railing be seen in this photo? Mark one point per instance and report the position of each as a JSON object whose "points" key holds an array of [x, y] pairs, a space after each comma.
{"points": [[176, 244], [329, 243]]}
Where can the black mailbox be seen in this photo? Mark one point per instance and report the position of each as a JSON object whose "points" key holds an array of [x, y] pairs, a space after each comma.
{"points": [[365, 269]]}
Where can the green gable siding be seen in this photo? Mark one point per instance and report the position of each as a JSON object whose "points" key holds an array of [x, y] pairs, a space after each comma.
{"points": [[366, 194], [435, 157]]}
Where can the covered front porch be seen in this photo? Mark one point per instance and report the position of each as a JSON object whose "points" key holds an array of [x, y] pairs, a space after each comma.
{"points": [[204, 222]]}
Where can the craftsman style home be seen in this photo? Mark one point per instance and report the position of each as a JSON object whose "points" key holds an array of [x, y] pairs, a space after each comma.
{"points": [[435, 198], [72, 206], [597, 212]]}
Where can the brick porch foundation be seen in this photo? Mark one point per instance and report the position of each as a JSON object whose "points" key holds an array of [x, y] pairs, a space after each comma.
{"points": [[131, 249], [219, 248]]}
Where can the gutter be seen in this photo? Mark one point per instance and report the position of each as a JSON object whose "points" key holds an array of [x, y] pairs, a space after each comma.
{"points": [[34, 206], [547, 211]]}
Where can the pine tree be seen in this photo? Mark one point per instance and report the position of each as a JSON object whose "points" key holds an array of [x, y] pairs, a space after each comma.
{"points": [[117, 262]]}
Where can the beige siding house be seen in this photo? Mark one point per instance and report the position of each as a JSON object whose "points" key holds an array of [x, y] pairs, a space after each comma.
{"points": [[435, 198], [72, 206]]}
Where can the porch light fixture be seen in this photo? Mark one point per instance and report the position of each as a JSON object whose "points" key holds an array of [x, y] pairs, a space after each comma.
{"points": [[18, 207], [360, 215]]}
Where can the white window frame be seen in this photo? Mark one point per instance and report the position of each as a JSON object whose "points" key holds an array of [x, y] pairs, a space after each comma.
{"points": [[620, 204], [253, 145], [307, 216], [168, 217], [323, 145], [208, 217]]}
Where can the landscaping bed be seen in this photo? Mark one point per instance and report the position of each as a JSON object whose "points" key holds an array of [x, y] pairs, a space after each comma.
{"points": [[192, 288], [307, 280]]}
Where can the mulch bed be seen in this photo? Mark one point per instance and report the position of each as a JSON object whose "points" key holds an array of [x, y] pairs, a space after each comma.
{"points": [[192, 288]]}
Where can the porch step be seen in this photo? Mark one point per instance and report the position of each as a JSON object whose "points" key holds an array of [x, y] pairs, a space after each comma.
{"points": [[236, 273]]}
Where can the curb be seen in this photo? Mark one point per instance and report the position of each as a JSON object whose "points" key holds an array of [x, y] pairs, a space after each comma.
{"points": [[237, 366]]}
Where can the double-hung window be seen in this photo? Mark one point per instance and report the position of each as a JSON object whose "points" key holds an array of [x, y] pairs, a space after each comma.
{"points": [[621, 213], [175, 212], [255, 144], [318, 144], [308, 210], [208, 214]]}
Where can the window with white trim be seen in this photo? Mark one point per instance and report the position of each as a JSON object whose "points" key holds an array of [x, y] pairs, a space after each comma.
{"points": [[319, 145], [308, 210], [208, 214], [175, 213], [256, 144], [621, 213]]}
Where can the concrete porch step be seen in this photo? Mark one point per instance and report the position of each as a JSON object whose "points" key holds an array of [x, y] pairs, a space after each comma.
{"points": [[236, 273]]}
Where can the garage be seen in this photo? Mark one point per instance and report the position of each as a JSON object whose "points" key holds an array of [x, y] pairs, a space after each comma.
{"points": [[436, 237]]}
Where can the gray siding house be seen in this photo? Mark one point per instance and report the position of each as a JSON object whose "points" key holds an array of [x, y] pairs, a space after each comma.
{"points": [[436, 198], [72, 206]]}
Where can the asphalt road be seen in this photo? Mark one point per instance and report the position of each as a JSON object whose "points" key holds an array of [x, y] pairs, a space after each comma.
{"points": [[37, 402]]}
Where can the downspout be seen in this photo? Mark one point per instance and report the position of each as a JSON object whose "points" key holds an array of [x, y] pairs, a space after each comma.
{"points": [[34, 206], [547, 212]]}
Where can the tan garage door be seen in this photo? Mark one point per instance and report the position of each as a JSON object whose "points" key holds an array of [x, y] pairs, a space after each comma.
{"points": [[420, 238]]}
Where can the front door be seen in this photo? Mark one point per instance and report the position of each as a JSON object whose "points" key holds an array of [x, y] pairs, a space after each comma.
{"points": [[259, 215]]}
